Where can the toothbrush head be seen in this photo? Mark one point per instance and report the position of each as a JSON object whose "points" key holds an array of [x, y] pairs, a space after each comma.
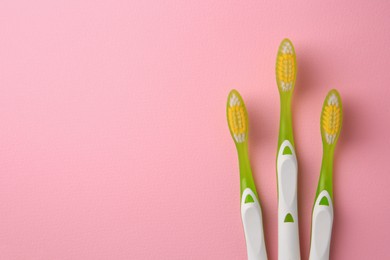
{"points": [[331, 118], [286, 66], [237, 117]]}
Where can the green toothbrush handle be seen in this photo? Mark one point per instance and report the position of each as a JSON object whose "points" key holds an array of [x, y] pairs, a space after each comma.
{"points": [[252, 222], [251, 213], [246, 178], [321, 228], [326, 176], [287, 175], [285, 126], [322, 215]]}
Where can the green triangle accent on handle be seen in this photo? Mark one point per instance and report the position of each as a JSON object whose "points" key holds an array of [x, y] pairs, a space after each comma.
{"points": [[288, 218], [249, 199], [324, 201], [287, 150]]}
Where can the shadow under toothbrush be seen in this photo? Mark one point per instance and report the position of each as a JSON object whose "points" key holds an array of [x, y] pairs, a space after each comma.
{"points": [[309, 82], [352, 138], [304, 209], [259, 134], [308, 78]]}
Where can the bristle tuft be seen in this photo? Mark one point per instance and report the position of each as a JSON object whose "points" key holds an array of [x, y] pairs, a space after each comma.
{"points": [[331, 118], [285, 66], [287, 48], [237, 119]]}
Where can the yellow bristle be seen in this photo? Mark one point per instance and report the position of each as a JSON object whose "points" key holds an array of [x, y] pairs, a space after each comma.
{"points": [[237, 119], [331, 119], [286, 68]]}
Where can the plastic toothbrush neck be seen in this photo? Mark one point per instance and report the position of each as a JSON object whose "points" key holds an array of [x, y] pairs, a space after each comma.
{"points": [[326, 176], [246, 178], [285, 127]]}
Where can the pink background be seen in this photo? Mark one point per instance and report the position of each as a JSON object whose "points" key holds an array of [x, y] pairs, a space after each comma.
{"points": [[113, 136]]}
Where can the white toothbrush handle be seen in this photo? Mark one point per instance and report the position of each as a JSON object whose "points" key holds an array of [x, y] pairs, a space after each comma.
{"points": [[321, 229], [253, 226], [288, 232]]}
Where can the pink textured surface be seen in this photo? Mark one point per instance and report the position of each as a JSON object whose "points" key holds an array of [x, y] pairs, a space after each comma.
{"points": [[113, 137]]}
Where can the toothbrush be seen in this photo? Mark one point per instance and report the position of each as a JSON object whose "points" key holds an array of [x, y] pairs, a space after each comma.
{"points": [[322, 216], [251, 214], [286, 162]]}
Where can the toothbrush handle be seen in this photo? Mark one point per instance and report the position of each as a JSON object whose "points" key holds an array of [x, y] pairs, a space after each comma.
{"points": [[288, 232], [321, 230], [288, 241], [253, 226]]}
